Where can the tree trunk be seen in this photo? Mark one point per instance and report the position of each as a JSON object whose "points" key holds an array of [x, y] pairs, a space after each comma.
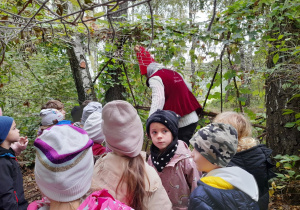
{"points": [[80, 70], [281, 139], [281, 85], [117, 91]]}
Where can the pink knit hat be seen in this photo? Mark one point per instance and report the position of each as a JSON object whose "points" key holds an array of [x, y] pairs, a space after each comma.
{"points": [[64, 162], [144, 59], [122, 128]]}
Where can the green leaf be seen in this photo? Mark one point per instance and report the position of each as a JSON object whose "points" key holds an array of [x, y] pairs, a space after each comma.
{"points": [[242, 99], [295, 157], [288, 111], [290, 124], [280, 37], [99, 14], [284, 49], [291, 173], [275, 58], [14, 9], [297, 115], [287, 166], [298, 128], [295, 52]]}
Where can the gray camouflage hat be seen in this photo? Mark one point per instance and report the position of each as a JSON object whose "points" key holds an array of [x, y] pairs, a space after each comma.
{"points": [[217, 142]]}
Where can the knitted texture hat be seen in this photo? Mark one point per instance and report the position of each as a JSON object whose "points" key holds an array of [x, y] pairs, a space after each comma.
{"points": [[144, 59], [89, 109], [167, 118], [51, 116], [93, 127], [64, 162], [217, 142], [122, 128], [5, 125]]}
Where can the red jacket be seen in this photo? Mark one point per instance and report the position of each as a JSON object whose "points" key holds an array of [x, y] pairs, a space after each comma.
{"points": [[178, 97]]}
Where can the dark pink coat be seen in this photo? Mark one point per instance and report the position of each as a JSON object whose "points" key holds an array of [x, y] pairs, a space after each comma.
{"points": [[179, 177]]}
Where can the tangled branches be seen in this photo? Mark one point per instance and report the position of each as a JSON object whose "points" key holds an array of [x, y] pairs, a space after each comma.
{"points": [[50, 19]]}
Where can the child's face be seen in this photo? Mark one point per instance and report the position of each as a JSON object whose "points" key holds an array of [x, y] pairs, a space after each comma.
{"points": [[13, 134], [202, 163], [160, 135]]}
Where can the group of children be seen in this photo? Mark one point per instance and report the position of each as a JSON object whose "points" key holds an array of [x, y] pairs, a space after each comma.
{"points": [[227, 169]]}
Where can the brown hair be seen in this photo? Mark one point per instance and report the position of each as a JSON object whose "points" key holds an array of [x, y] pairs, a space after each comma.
{"points": [[53, 104], [134, 176], [243, 127]]}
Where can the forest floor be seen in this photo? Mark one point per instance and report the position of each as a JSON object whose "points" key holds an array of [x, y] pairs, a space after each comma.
{"points": [[279, 201]]}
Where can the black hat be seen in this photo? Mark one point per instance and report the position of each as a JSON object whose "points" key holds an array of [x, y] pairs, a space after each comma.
{"points": [[168, 118]]}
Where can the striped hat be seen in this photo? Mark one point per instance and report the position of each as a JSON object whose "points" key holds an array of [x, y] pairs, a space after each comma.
{"points": [[144, 59], [64, 162]]}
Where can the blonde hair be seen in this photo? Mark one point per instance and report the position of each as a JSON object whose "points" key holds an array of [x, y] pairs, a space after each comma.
{"points": [[242, 126], [134, 176]]}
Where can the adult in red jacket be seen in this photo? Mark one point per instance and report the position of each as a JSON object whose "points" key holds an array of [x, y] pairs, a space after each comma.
{"points": [[170, 92]]}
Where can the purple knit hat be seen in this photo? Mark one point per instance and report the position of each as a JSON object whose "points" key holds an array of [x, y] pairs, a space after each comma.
{"points": [[64, 162]]}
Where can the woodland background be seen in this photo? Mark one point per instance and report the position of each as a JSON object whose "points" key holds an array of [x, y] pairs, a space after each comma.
{"points": [[239, 55]]}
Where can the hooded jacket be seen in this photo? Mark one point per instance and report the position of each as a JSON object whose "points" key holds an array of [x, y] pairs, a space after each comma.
{"points": [[108, 172], [240, 191], [11, 182], [257, 162], [179, 177]]}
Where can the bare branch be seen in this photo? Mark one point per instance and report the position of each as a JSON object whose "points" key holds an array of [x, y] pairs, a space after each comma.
{"points": [[24, 7], [213, 79], [125, 70], [152, 24], [34, 15], [235, 84], [102, 70], [213, 17]]}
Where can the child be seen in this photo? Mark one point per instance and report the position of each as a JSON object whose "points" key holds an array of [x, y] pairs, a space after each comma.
{"points": [[49, 117], [91, 121], [93, 126], [222, 187], [63, 171], [124, 172], [90, 108], [20, 145], [63, 167], [171, 158], [250, 156], [55, 104], [11, 181]]}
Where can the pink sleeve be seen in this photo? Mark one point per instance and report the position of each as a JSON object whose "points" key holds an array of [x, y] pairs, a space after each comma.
{"points": [[192, 174]]}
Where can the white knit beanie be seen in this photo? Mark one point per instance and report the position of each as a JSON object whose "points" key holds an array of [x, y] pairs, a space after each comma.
{"points": [[50, 116], [122, 128], [63, 163], [93, 127], [92, 107]]}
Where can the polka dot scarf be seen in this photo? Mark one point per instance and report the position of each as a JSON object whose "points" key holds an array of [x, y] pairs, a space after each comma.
{"points": [[160, 160]]}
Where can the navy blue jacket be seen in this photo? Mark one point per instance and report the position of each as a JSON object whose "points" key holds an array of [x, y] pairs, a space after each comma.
{"points": [[205, 197], [256, 161], [11, 182]]}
